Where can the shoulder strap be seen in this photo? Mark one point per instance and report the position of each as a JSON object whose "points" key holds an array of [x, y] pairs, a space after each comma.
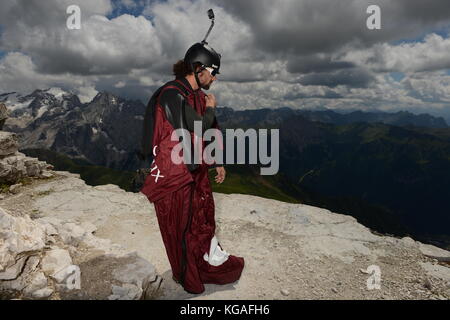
{"points": [[177, 84], [180, 83]]}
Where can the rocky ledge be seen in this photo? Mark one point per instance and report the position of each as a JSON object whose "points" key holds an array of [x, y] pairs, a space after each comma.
{"points": [[292, 251], [54, 258]]}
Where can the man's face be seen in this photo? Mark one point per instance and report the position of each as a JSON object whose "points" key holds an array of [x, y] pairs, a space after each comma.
{"points": [[206, 79]]}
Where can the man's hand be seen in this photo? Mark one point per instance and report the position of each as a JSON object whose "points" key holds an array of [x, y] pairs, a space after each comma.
{"points": [[220, 174], [210, 100]]}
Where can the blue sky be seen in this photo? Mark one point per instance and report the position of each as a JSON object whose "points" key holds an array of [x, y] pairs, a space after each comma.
{"points": [[398, 76], [443, 32], [120, 9]]}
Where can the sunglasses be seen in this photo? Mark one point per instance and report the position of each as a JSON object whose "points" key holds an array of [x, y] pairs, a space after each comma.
{"points": [[212, 71]]}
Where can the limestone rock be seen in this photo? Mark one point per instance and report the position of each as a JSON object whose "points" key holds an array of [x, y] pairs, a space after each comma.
{"points": [[124, 277], [138, 275], [68, 278], [436, 271], [9, 143], [20, 237], [22, 281], [55, 260], [34, 272], [39, 281], [284, 292], [15, 188], [13, 271], [434, 252], [88, 227], [31, 264], [45, 174], [409, 242], [42, 293], [71, 233], [15, 165], [50, 230], [126, 292], [4, 113]]}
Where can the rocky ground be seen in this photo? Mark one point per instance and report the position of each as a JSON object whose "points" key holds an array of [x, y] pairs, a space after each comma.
{"points": [[45, 257], [291, 251]]}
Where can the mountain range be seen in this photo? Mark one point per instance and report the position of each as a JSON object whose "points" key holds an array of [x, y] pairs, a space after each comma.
{"points": [[389, 170], [98, 131]]}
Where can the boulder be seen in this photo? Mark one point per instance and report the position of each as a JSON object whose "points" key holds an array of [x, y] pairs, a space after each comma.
{"points": [[37, 283], [21, 237], [55, 260], [15, 165], [31, 270], [9, 143]]}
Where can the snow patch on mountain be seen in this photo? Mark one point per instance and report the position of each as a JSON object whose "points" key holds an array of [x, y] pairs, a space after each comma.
{"points": [[15, 101], [41, 111], [86, 94], [57, 92]]}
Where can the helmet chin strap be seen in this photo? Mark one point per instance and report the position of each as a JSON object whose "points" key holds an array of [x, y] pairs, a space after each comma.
{"points": [[196, 79]]}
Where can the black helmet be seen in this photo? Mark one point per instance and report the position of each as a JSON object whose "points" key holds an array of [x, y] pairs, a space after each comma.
{"points": [[203, 54]]}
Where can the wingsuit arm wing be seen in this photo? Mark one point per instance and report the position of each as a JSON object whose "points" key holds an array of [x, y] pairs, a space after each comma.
{"points": [[182, 115]]}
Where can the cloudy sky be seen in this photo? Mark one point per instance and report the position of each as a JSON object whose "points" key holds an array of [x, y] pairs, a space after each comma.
{"points": [[276, 53]]}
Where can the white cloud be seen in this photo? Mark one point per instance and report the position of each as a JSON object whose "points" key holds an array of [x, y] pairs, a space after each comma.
{"points": [[429, 87], [18, 73], [431, 54], [181, 23], [120, 84]]}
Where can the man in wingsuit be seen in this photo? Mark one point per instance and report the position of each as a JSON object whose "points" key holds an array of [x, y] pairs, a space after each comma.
{"points": [[181, 193]]}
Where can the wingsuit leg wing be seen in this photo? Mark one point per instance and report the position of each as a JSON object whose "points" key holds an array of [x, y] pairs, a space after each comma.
{"points": [[187, 223]]}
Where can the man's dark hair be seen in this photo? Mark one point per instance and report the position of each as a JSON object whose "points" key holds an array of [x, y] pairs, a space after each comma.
{"points": [[181, 69]]}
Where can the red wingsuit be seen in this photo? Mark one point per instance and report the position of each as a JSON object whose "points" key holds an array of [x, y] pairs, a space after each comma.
{"points": [[184, 202]]}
